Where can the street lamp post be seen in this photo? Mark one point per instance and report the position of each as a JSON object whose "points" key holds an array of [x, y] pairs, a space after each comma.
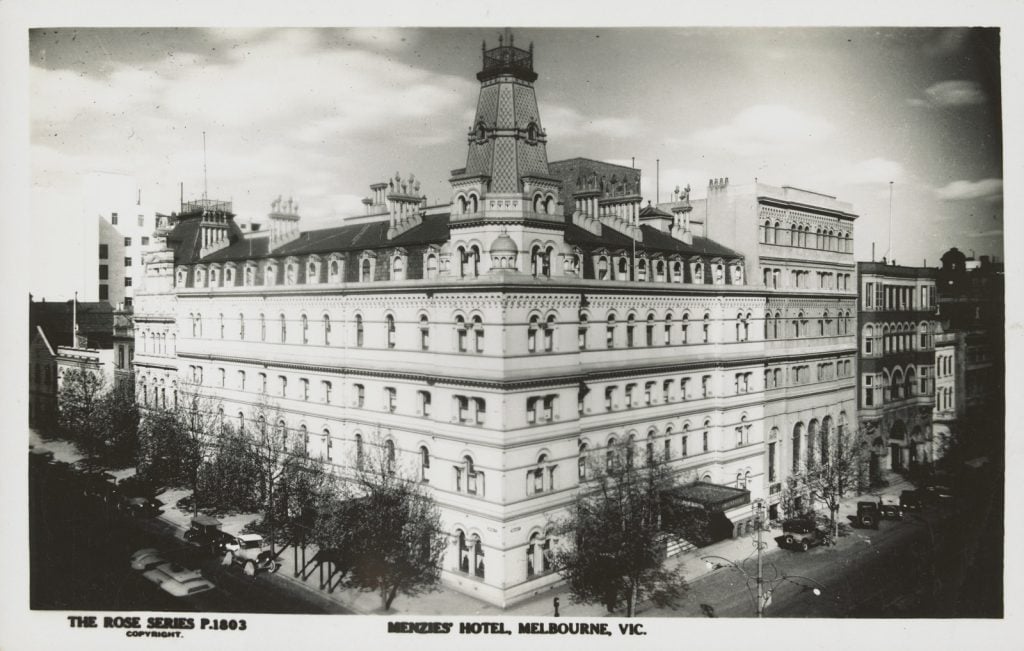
{"points": [[763, 597]]}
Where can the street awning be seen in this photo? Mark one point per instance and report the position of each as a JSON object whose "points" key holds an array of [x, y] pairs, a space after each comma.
{"points": [[711, 497]]}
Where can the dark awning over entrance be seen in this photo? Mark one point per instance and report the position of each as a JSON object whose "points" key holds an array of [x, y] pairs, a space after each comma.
{"points": [[710, 497]]}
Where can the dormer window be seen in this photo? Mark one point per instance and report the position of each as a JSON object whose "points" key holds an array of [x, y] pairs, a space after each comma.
{"points": [[481, 133]]}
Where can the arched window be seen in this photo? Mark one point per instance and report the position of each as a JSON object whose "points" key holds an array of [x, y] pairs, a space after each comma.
{"points": [[610, 454], [798, 434], [431, 266], [602, 268], [389, 327], [263, 327], [610, 331], [424, 462], [869, 339], [241, 327], [364, 271], [478, 554], [581, 462], [531, 333], [305, 329], [478, 333], [630, 328], [684, 327], [284, 329], [706, 327], [398, 268], [461, 333], [359, 451], [549, 334], [359, 330], [424, 332], [389, 453], [327, 329]]}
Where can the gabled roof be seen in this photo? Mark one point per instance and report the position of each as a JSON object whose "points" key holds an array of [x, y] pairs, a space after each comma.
{"points": [[95, 321]]}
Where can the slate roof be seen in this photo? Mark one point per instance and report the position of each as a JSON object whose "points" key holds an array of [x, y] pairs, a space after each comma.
{"points": [[95, 322], [654, 241], [433, 230]]}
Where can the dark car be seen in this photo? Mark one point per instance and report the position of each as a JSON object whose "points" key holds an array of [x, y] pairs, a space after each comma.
{"points": [[206, 532], [868, 515], [140, 507], [802, 533], [912, 500], [99, 485]]}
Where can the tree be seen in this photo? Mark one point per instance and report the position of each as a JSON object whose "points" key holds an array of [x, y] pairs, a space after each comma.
{"points": [[226, 475], [617, 533], [832, 470], [119, 424], [385, 527], [166, 451], [176, 442], [79, 409]]}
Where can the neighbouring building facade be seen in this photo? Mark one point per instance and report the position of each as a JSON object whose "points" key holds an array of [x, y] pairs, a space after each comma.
{"points": [[125, 229], [970, 353], [496, 346], [897, 328]]}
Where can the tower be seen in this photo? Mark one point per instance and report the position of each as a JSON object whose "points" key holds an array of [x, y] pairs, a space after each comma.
{"points": [[506, 186]]}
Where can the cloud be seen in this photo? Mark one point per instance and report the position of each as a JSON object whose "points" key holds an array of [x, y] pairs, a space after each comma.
{"points": [[762, 129], [987, 189], [563, 122], [952, 93], [382, 38], [998, 232], [946, 41], [283, 112]]}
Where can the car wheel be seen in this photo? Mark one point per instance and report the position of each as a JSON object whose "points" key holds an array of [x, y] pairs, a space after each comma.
{"points": [[789, 540], [250, 568], [804, 546]]}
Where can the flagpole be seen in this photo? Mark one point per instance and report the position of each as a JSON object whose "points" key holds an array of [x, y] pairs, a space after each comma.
{"points": [[74, 321]]}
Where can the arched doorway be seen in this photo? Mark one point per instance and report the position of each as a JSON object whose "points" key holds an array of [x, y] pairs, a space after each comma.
{"points": [[897, 444]]}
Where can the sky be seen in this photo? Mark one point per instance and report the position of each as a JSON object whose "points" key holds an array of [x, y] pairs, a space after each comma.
{"points": [[907, 117]]}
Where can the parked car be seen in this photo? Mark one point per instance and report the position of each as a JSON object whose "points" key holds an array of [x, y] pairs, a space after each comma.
{"points": [[911, 500], [936, 493], [251, 552], [177, 580], [868, 515], [99, 485], [802, 533], [146, 559], [205, 531], [139, 507]]}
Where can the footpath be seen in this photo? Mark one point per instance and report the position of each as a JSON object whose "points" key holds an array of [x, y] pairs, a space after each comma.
{"points": [[446, 601]]}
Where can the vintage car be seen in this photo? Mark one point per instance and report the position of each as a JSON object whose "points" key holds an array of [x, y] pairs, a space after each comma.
{"points": [[139, 507], [802, 534], [205, 532], [251, 552], [912, 500], [177, 580], [146, 559]]}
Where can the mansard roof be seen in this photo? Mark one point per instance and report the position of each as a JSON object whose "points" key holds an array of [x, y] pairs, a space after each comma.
{"points": [[433, 230], [350, 237], [654, 241]]}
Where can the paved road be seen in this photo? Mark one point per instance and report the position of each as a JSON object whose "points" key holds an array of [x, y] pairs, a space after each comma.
{"points": [[79, 553], [945, 561]]}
